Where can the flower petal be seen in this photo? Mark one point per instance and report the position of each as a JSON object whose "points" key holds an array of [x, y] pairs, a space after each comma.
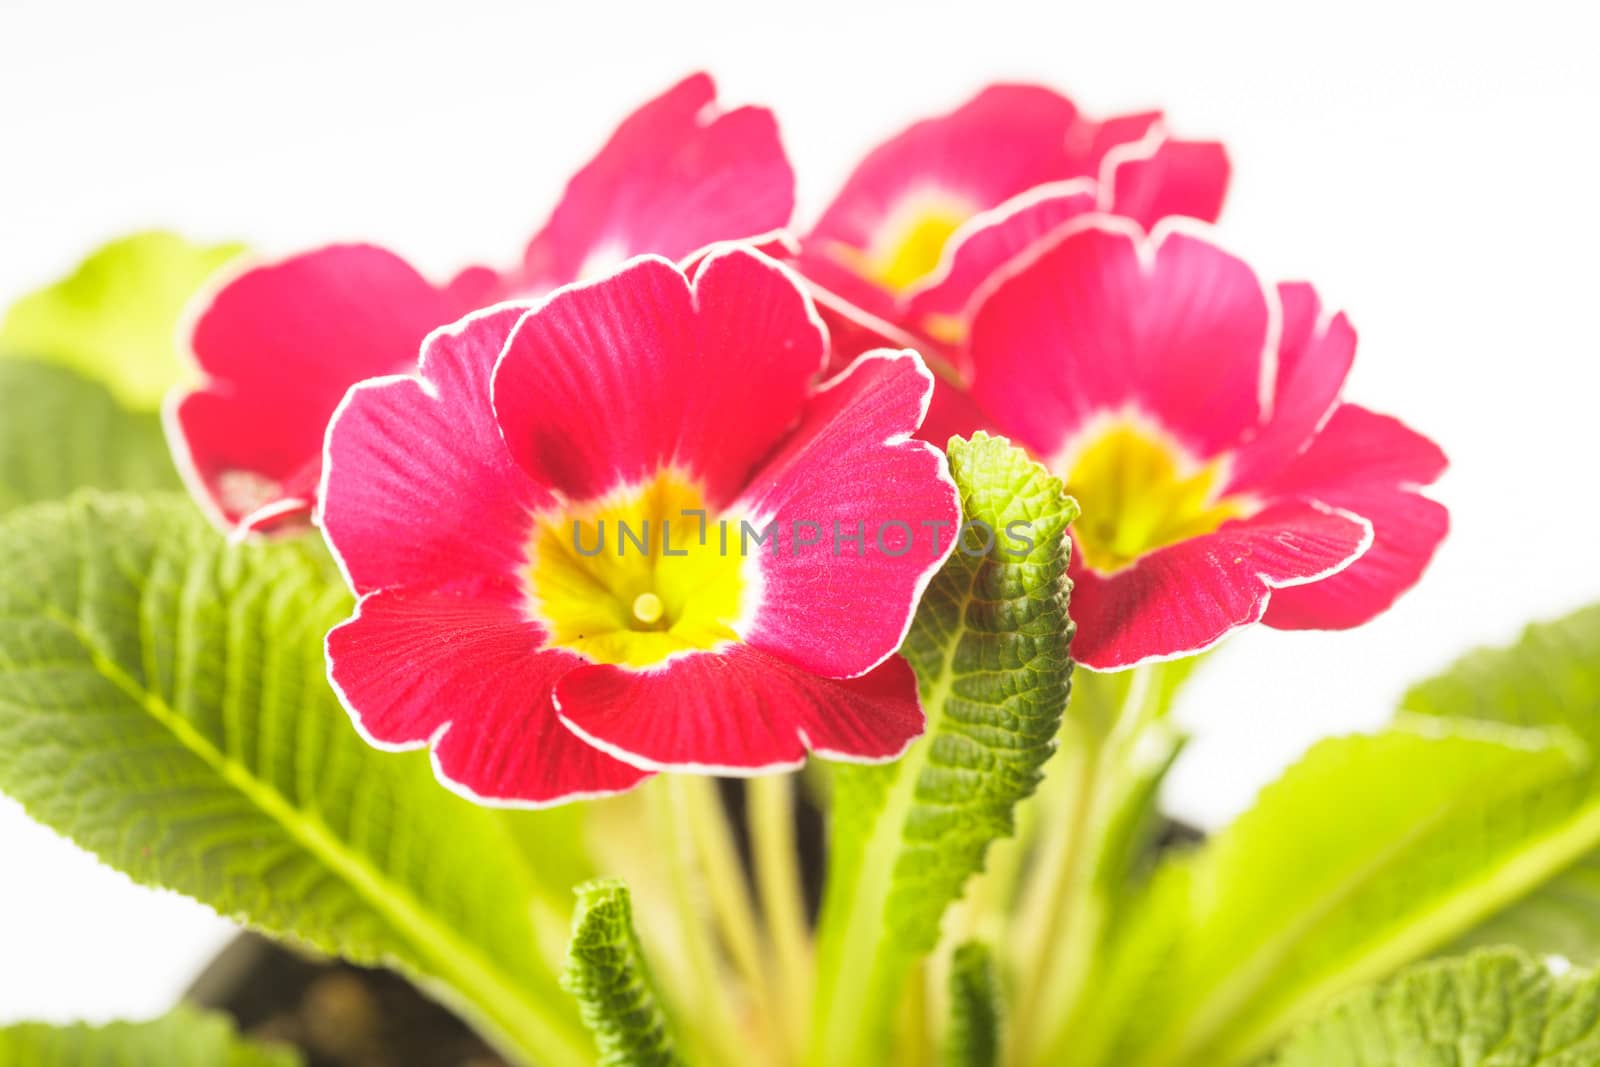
{"points": [[952, 413], [740, 711], [1407, 529], [1005, 140], [312, 319], [678, 174], [463, 671], [1360, 448], [853, 331], [1103, 320], [608, 383], [418, 487], [1369, 464], [1314, 358], [850, 464], [988, 243], [280, 344], [247, 466], [1187, 178], [1186, 597]]}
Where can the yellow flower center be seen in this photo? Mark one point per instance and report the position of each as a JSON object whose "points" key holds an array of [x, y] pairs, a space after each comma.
{"points": [[911, 242], [638, 575], [1138, 493]]}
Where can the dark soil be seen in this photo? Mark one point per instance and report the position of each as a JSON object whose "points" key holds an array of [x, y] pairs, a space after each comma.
{"points": [[336, 1014]]}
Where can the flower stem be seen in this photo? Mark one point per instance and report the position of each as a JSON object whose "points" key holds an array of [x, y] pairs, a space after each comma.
{"points": [[1063, 911], [777, 854], [1053, 918], [732, 907], [914, 1044], [713, 1028]]}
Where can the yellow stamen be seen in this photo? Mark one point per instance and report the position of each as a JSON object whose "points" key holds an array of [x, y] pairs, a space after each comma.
{"points": [[631, 579], [647, 608], [1140, 492], [918, 251], [911, 242]]}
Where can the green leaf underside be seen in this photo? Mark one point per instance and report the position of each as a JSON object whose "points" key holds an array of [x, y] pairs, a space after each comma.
{"points": [[1561, 918], [115, 319], [163, 703], [607, 973], [1367, 854], [1493, 1008], [989, 645], [184, 1037], [1370, 853], [974, 1036], [1549, 678], [60, 432]]}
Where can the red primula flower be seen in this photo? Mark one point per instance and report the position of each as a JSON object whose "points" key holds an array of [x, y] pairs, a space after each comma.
{"points": [[642, 538], [932, 213], [1195, 414], [279, 344]]}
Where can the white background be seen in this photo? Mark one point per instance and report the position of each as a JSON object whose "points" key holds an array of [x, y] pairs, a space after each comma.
{"points": [[1432, 167]]}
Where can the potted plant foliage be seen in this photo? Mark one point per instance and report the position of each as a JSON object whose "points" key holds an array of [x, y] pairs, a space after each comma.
{"points": [[710, 641]]}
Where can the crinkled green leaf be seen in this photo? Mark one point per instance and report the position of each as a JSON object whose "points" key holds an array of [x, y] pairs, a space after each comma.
{"points": [[60, 432], [115, 318], [973, 1039], [1495, 1008], [1367, 854], [184, 1037], [989, 645], [163, 703], [606, 972]]}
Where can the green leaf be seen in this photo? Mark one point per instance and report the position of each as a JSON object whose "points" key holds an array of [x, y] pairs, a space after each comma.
{"points": [[1490, 1009], [606, 972], [60, 432], [1369, 853], [1561, 918], [1549, 677], [989, 645], [974, 1036], [163, 703], [115, 319], [184, 1037]]}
